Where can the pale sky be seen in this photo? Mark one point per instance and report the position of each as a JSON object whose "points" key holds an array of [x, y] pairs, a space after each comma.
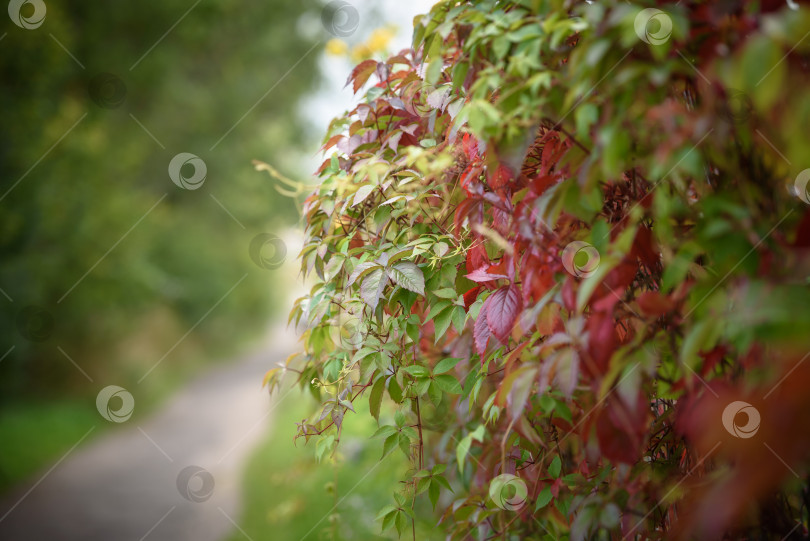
{"points": [[333, 99]]}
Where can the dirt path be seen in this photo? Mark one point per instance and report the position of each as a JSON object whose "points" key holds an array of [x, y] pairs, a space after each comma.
{"points": [[126, 485]]}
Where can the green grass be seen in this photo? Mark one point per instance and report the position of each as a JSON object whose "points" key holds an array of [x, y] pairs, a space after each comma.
{"points": [[36, 434], [288, 495]]}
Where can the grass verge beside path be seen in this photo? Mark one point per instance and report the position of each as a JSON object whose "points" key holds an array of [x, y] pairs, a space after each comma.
{"points": [[289, 496], [36, 433]]}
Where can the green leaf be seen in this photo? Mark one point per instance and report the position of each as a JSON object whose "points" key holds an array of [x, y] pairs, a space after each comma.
{"points": [[446, 293], [701, 337], [416, 371], [543, 498], [433, 493], [500, 46], [384, 430], [388, 521], [460, 73], [388, 509], [462, 449], [375, 399], [394, 390], [362, 354], [555, 467], [407, 275], [448, 383], [459, 317], [401, 522], [435, 393], [615, 150], [390, 443], [445, 365], [421, 386], [436, 309], [413, 332], [434, 71], [362, 193], [400, 254], [442, 481], [564, 411], [361, 270], [442, 322], [405, 445], [372, 287], [324, 446], [585, 116]]}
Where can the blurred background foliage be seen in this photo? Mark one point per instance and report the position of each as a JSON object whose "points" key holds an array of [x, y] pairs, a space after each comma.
{"points": [[76, 177]]}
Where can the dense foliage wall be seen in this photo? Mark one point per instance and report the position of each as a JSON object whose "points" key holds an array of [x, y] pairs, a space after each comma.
{"points": [[560, 249]]}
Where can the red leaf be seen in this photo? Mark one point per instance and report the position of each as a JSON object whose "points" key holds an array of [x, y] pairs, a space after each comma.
{"points": [[569, 296], [465, 208], [361, 73], [470, 146], [541, 183], [556, 486], [620, 429], [803, 232], [502, 308], [602, 341], [477, 257], [500, 178], [332, 141], [712, 358], [653, 303], [644, 247], [326, 163], [470, 296], [538, 277]]}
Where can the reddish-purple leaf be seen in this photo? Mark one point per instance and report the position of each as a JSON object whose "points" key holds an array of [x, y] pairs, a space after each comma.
{"points": [[502, 308], [481, 275], [481, 332]]}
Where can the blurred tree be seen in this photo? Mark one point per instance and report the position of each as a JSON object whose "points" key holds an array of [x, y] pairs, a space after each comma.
{"points": [[96, 102]]}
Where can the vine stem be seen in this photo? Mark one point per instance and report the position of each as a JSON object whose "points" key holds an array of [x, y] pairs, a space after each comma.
{"points": [[413, 517], [421, 440], [420, 459]]}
